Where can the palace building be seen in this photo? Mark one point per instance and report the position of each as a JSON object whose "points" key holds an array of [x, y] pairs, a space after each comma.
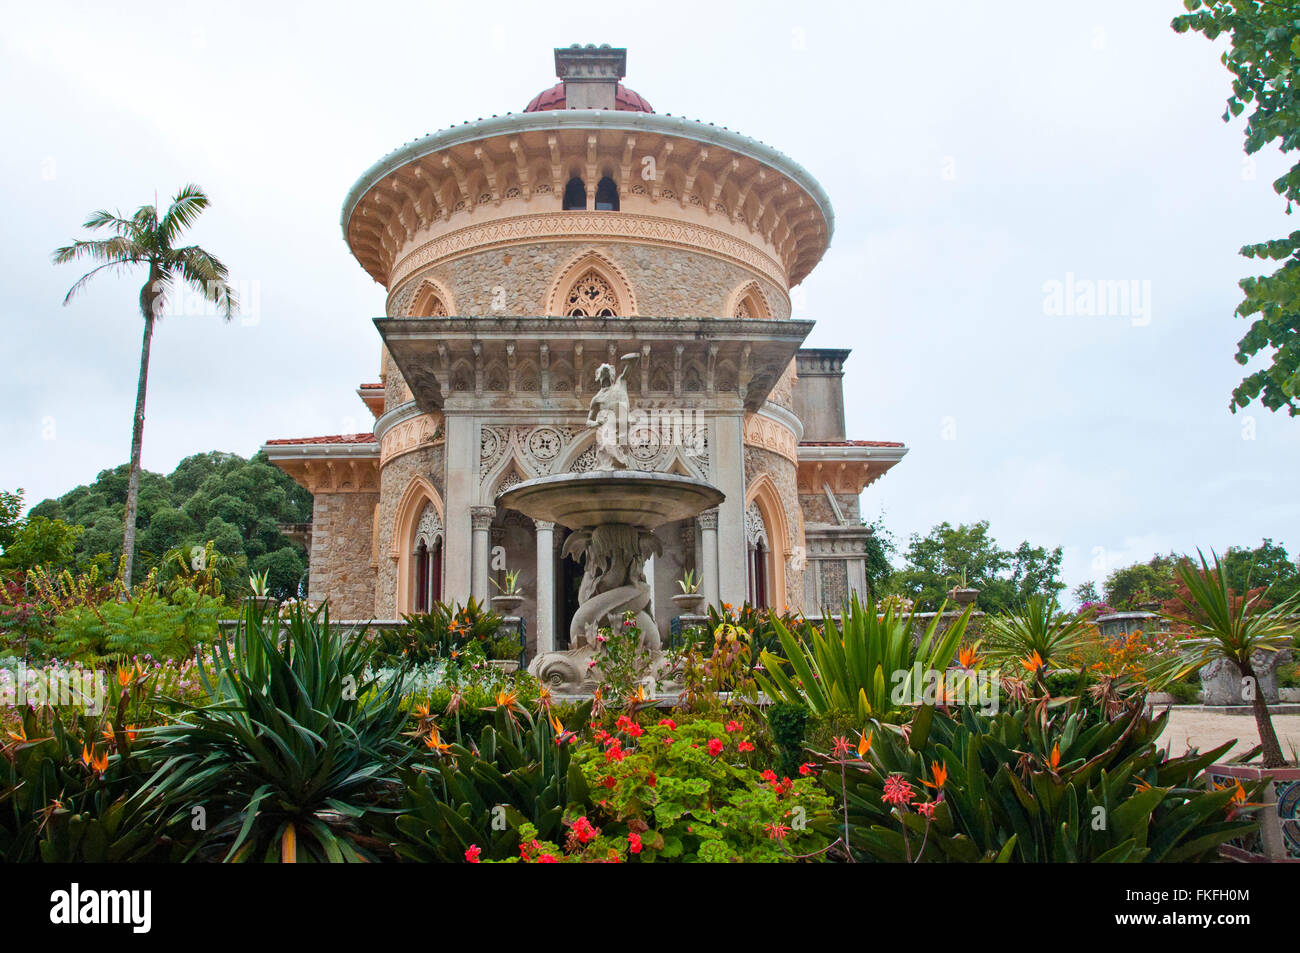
{"points": [[521, 252]]}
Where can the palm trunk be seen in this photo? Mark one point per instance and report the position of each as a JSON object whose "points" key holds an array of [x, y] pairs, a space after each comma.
{"points": [[1268, 743], [137, 438]]}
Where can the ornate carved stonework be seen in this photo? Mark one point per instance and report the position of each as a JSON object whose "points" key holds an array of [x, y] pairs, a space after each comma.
{"points": [[429, 528], [408, 435], [755, 529], [591, 297], [569, 225], [770, 435], [481, 517]]}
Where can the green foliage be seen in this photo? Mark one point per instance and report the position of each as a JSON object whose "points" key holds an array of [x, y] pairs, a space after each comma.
{"points": [[788, 723], [296, 748], [39, 541], [1072, 787], [67, 794], [1266, 565], [238, 504], [1263, 57], [859, 665], [1004, 578], [691, 792], [445, 629], [1146, 583], [1039, 626], [518, 771], [11, 512], [144, 625]]}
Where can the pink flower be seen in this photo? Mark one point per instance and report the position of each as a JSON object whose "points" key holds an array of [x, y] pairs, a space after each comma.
{"points": [[667, 723], [547, 859], [925, 809], [471, 855], [634, 842], [734, 725], [897, 790], [583, 830], [715, 747], [745, 746]]}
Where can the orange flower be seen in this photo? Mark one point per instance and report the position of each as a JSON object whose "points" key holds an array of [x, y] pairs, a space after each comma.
{"points": [[506, 699], [1143, 785], [124, 676], [19, 735], [1033, 662], [421, 711], [1055, 759], [940, 772], [100, 763], [85, 756], [864, 743], [967, 657], [434, 742]]}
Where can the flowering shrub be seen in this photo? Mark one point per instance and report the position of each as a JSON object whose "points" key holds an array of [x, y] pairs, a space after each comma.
{"points": [[689, 791]]}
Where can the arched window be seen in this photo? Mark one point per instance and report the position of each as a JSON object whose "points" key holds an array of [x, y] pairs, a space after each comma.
{"points": [[606, 195], [427, 561], [428, 303], [591, 297], [758, 556], [575, 194]]}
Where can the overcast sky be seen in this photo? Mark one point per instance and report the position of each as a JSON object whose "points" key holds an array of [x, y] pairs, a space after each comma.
{"points": [[974, 153]]}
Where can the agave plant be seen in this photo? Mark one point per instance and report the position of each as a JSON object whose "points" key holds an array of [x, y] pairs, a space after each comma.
{"points": [[1035, 635], [1018, 786], [1233, 628], [293, 748], [859, 666]]}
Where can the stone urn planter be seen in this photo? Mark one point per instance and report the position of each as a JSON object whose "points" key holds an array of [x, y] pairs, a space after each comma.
{"points": [[689, 603], [963, 597], [505, 664], [507, 605], [1221, 680], [1278, 837]]}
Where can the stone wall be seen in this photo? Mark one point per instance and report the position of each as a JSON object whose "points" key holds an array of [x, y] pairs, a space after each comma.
{"points": [[395, 477], [342, 564], [817, 509], [667, 282]]}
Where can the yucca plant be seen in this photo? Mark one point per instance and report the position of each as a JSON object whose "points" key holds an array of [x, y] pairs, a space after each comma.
{"points": [[858, 666], [295, 747], [1234, 628], [1034, 636], [1019, 786]]}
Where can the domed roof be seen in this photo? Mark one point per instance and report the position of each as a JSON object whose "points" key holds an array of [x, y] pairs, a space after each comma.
{"points": [[625, 100]]}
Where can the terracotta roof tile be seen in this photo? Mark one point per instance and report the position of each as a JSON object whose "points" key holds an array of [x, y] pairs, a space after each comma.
{"points": [[850, 443], [333, 438], [625, 100]]}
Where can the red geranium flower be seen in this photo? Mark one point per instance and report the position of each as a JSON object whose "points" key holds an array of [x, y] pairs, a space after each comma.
{"points": [[634, 842], [471, 855], [715, 747]]}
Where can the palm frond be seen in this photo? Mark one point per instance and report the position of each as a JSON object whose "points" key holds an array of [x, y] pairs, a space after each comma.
{"points": [[187, 205], [207, 274], [81, 282]]}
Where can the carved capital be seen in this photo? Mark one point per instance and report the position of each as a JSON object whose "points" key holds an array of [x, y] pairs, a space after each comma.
{"points": [[709, 519], [481, 517]]}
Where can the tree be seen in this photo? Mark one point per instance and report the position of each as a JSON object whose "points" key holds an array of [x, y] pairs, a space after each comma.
{"points": [[147, 240], [41, 542], [11, 516], [1143, 583], [1263, 56], [938, 561], [1086, 592], [1266, 566]]}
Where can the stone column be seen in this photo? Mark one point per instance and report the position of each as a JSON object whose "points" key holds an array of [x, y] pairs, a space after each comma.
{"points": [[462, 485], [481, 520], [709, 568], [728, 467], [545, 586]]}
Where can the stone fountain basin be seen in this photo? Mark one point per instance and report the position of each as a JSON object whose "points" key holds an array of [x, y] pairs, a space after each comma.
{"points": [[637, 498]]}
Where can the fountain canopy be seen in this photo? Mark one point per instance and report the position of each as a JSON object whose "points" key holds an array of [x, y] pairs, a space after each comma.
{"points": [[636, 498]]}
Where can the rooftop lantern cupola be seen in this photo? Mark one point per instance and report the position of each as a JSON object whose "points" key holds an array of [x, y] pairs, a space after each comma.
{"points": [[590, 74]]}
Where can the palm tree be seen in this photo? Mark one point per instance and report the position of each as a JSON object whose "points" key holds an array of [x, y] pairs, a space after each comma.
{"points": [[148, 240], [1227, 626]]}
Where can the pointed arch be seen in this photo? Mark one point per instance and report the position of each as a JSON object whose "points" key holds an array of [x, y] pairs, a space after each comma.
{"points": [[762, 493], [586, 266], [417, 523], [748, 301], [431, 300]]}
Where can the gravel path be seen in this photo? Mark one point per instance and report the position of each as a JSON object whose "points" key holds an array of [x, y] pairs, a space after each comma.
{"points": [[1193, 727]]}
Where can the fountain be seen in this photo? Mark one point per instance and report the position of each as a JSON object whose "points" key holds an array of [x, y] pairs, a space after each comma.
{"points": [[612, 511]]}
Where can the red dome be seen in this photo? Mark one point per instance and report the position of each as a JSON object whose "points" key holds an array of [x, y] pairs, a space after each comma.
{"points": [[625, 100]]}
